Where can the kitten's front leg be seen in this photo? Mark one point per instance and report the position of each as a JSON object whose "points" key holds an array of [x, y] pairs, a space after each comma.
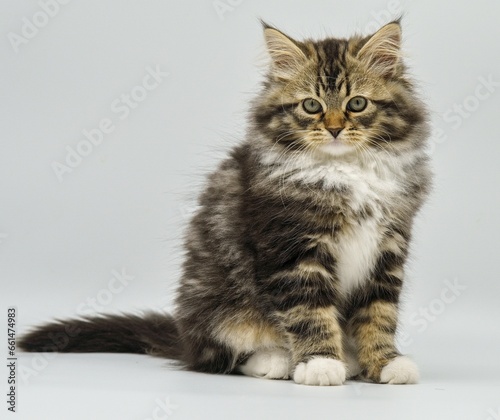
{"points": [[316, 341], [302, 299], [373, 325], [373, 328]]}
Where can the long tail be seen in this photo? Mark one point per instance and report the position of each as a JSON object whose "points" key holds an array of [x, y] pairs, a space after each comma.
{"points": [[153, 333]]}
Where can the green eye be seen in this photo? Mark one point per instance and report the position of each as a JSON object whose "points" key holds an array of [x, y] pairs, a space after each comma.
{"points": [[357, 104], [312, 106]]}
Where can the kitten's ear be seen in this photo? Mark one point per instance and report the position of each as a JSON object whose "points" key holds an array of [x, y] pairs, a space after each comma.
{"points": [[382, 51], [286, 55]]}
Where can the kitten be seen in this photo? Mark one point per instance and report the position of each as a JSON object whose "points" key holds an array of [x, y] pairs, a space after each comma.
{"points": [[295, 259]]}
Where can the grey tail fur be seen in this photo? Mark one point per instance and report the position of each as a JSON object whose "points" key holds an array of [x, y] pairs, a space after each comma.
{"points": [[153, 333]]}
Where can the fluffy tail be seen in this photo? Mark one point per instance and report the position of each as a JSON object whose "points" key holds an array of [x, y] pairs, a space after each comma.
{"points": [[153, 333]]}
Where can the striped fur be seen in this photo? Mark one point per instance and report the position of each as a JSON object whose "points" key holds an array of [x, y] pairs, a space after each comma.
{"points": [[295, 259]]}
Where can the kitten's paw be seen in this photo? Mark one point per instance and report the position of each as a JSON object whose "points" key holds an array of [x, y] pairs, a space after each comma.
{"points": [[320, 371], [269, 364], [401, 370]]}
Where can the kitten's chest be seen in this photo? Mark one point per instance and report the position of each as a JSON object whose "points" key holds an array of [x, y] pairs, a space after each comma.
{"points": [[361, 212], [356, 203]]}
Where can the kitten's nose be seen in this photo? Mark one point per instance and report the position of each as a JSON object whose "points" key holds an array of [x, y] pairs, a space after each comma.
{"points": [[335, 131]]}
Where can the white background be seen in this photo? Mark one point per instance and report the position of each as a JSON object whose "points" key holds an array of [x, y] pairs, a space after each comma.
{"points": [[123, 207]]}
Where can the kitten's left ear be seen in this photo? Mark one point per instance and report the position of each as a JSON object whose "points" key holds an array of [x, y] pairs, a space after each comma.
{"points": [[286, 54], [382, 51]]}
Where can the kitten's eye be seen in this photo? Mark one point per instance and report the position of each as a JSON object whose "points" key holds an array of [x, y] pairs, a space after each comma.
{"points": [[312, 106], [357, 104]]}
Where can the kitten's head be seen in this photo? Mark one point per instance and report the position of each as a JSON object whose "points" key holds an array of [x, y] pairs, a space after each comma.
{"points": [[339, 97]]}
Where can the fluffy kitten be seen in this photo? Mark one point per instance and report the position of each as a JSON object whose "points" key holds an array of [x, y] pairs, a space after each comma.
{"points": [[295, 260]]}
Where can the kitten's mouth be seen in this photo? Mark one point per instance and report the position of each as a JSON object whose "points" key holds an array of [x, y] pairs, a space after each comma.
{"points": [[336, 147], [336, 141]]}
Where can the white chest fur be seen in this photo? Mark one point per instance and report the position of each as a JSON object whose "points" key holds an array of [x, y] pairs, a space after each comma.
{"points": [[357, 246], [358, 250], [374, 184], [358, 243]]}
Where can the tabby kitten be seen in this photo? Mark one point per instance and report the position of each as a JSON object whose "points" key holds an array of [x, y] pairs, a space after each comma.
{"points": [[295, 260]]}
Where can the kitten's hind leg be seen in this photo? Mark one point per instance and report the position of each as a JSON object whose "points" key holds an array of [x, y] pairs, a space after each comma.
{"points": [[271, 363]]}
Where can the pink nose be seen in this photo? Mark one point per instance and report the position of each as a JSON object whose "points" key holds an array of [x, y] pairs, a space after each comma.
{"points": [[335, 131]]}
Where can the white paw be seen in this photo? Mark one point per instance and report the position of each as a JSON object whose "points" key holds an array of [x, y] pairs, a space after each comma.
{"points": [[269, 364], [401, 370], [320, 371]]}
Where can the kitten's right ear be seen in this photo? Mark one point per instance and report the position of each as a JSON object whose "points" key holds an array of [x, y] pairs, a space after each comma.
{"points": [[286, 54]]}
